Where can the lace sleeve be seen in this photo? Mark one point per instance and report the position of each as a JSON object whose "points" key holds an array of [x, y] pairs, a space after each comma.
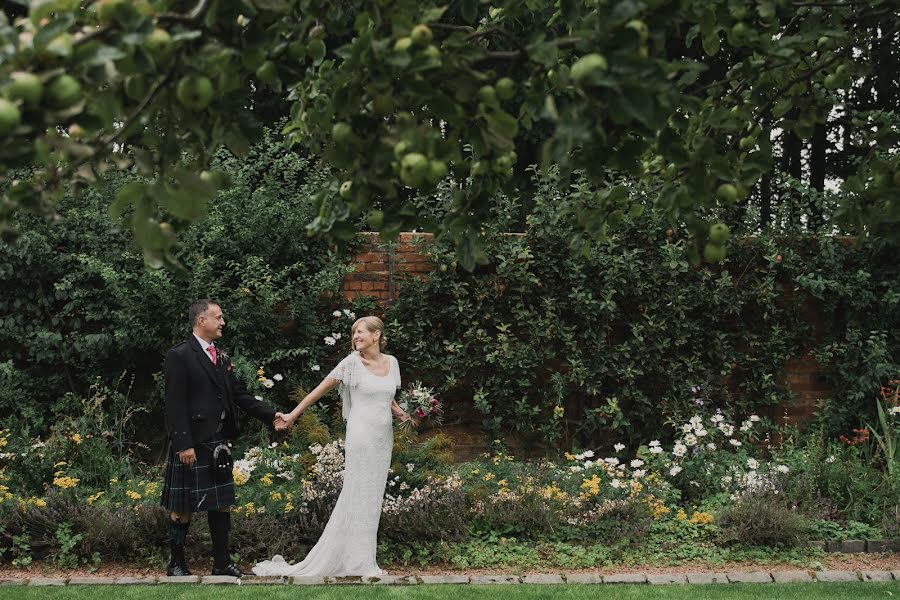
{"points": [[345, 372], [396, 369]]}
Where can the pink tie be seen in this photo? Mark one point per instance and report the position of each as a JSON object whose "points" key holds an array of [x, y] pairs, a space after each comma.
{"points": [[212, 353]]}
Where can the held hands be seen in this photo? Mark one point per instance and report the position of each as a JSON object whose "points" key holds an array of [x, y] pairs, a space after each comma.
{"points": [[282, 421]]}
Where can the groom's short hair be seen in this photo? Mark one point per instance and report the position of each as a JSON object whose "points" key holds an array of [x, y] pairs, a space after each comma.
{"points": [[198, 308]]}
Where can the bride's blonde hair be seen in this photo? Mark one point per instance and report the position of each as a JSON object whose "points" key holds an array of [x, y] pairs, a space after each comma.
{"points": [[372, 324]]}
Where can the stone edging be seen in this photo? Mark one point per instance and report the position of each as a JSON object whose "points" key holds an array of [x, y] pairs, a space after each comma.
{"points": [[857, 546], [499, 579]]}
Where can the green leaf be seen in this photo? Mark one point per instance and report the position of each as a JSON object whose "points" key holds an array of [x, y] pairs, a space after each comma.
{"points": [[279, 6], [544, 53], [468, 9], [127, 195], [236, 142], [711, 43]]}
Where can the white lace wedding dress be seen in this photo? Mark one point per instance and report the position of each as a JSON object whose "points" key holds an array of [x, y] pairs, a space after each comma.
{"points": [[347, 546]]}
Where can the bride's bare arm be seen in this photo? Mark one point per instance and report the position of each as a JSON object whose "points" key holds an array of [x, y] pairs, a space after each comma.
{"points": [[323, 388]]}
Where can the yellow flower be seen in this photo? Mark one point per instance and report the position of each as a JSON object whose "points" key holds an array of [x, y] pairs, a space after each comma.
{"points": [[276, 496], [133, 495], [76, 438], [681, 515], [701, 518], [93, 498], [240, 478], [151, 488], [288, 507], [40, 503], [266, 479], [558, 411], [114, 481], [475, 471], [502, 483], [488, 476], [61, 463], [65, 482], [249, 507]]}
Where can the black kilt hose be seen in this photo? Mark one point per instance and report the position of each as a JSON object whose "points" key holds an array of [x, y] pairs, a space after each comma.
{"points": [[202, 399], [194, 488]]}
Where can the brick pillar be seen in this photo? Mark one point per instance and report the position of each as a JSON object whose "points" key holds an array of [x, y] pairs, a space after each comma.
{"points": [[378, 266]]}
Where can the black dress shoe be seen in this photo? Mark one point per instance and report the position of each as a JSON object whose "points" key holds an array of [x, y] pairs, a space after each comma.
{"points": [[177, 570], [231, 570]]}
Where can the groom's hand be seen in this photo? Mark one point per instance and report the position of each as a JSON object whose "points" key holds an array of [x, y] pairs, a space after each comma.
{"points": [[187, 457]]}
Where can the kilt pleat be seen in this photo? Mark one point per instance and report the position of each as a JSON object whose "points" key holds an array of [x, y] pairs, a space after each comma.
{"points": [[193, 488]]}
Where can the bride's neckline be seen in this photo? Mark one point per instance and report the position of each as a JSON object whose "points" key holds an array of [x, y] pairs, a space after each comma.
{"points": [[374, 374]]}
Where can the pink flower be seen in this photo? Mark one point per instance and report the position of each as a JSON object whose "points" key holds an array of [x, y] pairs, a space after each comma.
{"points": [[434, 401], [420, 413]]}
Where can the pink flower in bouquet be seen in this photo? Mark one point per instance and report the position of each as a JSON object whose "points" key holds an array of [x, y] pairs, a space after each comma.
{"points": [[420, 413]]}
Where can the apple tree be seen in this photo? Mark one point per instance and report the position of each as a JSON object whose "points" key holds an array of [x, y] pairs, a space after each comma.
{"points": [[398, 96]]}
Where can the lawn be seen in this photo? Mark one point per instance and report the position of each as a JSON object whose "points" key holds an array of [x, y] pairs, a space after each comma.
{"points": [[801, 591]]}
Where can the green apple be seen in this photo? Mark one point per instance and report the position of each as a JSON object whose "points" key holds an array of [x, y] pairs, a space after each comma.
{"points": [[713, 253], [136, 87], [375, 218], [506, 88], [341, 133], [488, 95], [401, 148], [63, 91], [718, 233], [413, 169], [421, 35], [346, 190], [437, 170], [727, 193], [383, 105], [10, 117], [639, 27], [195, 92], [159, 44], [26, 87]]}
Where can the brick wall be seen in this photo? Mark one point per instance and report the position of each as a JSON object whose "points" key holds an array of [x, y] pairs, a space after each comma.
{"points": [[378, 266]]}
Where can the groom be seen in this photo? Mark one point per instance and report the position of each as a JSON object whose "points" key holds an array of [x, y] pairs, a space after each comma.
{"points": [[201, 393]]}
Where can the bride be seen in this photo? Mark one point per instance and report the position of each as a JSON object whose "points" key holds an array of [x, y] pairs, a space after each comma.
{"points": [[368, 381]]}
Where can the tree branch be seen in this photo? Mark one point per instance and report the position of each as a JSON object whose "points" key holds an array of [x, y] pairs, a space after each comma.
{"points": [[189, 17]]}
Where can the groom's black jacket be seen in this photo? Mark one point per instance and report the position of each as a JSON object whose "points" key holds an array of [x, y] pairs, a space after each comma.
{"points": [[197, 392]]}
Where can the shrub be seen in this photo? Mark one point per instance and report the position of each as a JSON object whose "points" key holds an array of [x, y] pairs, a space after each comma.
{"points": [[761, 520]]}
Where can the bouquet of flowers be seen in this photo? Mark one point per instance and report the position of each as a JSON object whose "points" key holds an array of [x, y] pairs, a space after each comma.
{"points": [[419, 402]]}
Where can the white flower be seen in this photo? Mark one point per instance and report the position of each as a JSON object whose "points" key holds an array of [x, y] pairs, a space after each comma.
{"points": [[336, 336], [273, 445], [895, 410], [830, 459], [589, 454], [726, 428], [752, 464], [612, 461], [588, 464], [336, 313], [656, 450], [690, 439], [615, 483], [653, 443], [350, 314], [258, 398], [717, 418], [727, 480], [679, 450], [575, 469], [675, 470], [268, 383], [782, 469], [620, 447], [637, 463], [638, 473], [734, 443], [754, 418], [315, 368], [404, 486], [410, 467], [701, 433], [330, 340], [277, 377], [746, 426], [710, 446], [686, 428], [696, 422]]}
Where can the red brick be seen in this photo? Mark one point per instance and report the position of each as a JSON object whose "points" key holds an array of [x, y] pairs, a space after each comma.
{"points": [[371, 257]]}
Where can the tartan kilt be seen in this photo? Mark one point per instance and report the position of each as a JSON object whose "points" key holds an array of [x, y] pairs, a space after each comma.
{"points": [[192, 489]]}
